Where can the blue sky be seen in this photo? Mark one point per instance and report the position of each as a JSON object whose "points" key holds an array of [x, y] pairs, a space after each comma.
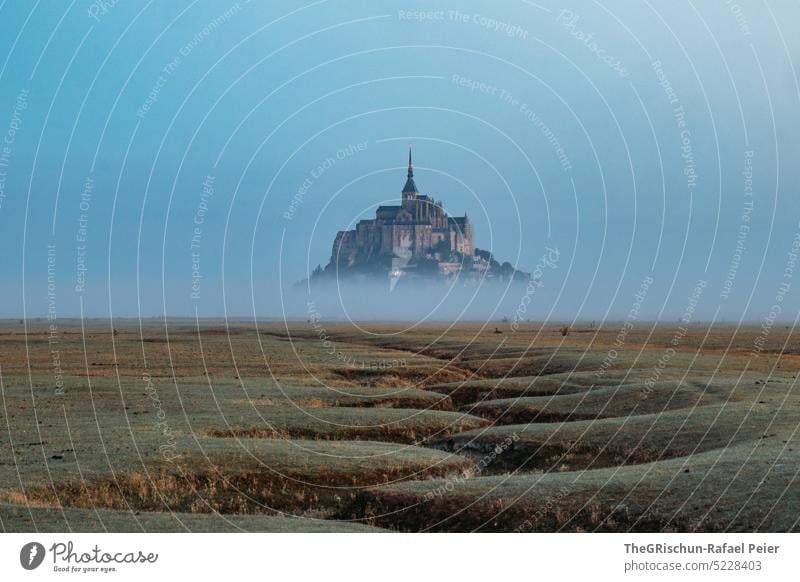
{"points": [[619, 135]]}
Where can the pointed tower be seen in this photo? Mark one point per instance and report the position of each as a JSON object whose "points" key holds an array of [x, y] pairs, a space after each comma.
{"points": [[410, 190]]}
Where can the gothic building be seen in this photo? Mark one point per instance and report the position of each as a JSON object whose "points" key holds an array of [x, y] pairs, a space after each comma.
{"points": [[413, 239]]}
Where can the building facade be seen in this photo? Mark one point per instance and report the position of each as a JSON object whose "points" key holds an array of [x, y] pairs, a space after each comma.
{"points": [[416, 229]]}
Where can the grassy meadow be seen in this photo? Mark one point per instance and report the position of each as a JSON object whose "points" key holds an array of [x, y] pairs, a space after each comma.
{"points": [[214, 426]]}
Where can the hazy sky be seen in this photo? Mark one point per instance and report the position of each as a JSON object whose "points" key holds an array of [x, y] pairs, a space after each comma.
{"points": [[147, 142]]}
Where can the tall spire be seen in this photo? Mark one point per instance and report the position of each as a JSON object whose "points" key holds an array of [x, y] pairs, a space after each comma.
{"points": [[410, 185]]}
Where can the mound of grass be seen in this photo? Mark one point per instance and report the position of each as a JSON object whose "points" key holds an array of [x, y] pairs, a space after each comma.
{"points": [[477, 390], [381, 424], [197, 395], [553, 363], [610, 401], [607, 442], [248, 477], [350, 396], [713, 491], [409, 376]]}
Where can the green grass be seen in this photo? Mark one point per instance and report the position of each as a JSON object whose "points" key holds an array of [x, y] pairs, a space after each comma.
{"points": [[586, 444], [484, 389], [247, 476], [712, 491], [611, 401], [264, 433], [389, 425]]}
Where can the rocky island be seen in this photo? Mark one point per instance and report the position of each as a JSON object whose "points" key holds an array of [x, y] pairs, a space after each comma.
{"points": [[415, 240]]}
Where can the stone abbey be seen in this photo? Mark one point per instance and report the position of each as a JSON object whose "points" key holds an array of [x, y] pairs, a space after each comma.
{"points": [[415, 239]]}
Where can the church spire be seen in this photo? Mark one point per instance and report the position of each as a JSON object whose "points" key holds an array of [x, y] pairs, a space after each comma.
{"points": [[410, 185]]}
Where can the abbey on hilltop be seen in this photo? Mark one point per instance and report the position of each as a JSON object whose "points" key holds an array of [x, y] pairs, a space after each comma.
{"points": [[416, 239]]}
